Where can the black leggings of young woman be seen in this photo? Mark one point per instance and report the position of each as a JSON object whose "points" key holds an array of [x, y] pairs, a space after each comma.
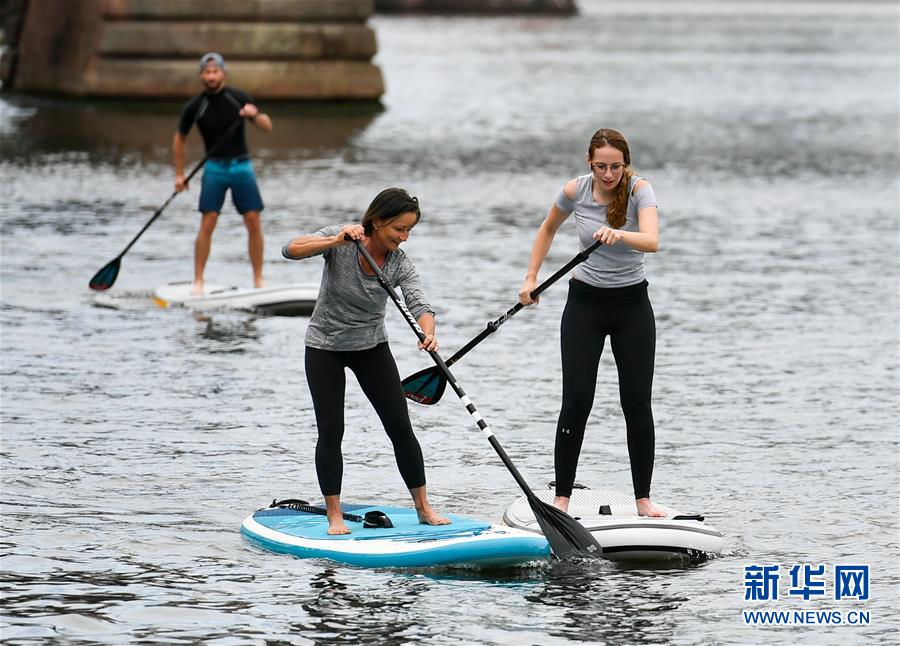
{"points": [[625, 315], [377, 374]]}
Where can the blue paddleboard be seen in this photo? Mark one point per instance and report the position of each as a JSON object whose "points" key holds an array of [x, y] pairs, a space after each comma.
{"points": [[465, 542]]}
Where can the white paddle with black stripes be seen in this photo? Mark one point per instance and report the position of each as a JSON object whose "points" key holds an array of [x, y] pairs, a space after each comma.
{"points": [[567, 537]]}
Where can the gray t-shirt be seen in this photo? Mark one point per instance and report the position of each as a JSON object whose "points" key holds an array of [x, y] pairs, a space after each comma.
{"points": [[349, 311], [615, 266]]}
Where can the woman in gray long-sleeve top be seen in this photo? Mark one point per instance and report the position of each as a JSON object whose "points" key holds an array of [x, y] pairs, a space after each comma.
{"points": [[347, 331]]}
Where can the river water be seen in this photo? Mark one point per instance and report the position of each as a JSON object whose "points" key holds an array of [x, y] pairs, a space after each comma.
{"points": [[135, 439]]}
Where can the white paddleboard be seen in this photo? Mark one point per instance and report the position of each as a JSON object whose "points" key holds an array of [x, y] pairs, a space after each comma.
{"points": [[282, 300], [612, 519]]}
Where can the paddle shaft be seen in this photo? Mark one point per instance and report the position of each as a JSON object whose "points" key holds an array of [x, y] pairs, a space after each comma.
{"points": [[493, 325], [215, 147], [417, 392], [473, 411]]}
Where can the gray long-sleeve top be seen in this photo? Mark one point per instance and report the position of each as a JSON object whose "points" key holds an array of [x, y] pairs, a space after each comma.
{"points": [[350, 308]]}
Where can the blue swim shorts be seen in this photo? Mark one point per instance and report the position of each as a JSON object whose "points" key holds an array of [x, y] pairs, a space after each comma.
{"points": [[237, 174]]}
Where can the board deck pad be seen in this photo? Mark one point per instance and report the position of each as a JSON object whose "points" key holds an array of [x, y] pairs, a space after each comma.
{"points": [[405, 521], [464, 542]]}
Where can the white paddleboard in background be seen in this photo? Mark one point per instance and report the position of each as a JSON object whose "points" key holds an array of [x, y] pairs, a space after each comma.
{"points": [[612, 519], [295, 299]]}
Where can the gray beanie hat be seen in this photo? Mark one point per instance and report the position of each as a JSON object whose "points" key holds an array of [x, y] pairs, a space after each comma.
{"points": [[212, 57]]}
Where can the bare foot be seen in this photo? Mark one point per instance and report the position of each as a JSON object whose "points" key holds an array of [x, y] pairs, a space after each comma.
{"points": [[647, 508], [197, 288], [335, 514], [259, 283], [337, 527], [561, 503], [427, 516]]}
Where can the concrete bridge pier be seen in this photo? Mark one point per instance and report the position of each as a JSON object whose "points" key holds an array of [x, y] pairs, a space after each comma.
{"points": [[275, 49]]}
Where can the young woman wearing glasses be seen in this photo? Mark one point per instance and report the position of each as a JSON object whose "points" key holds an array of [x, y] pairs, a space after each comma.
{"points": [[607, 297], [347, 331]]}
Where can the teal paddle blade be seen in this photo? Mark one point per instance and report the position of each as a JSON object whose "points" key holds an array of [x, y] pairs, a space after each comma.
{"points": [[425, 387], [105, 278]]}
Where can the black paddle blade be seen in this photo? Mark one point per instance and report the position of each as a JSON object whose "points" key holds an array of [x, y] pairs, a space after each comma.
{"points": [[567, 537], [105, 278], [426, 386]]}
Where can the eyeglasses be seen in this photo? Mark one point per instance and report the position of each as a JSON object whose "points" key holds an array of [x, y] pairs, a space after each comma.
{"points": [[602, 168]]}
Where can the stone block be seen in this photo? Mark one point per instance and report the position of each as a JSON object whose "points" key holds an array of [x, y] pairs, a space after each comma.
{"points": [[7, 65], [261, 40], [269, 80], [263, 10], [55, 45], [499, 7]]}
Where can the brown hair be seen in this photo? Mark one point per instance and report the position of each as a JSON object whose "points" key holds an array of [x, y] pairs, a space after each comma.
{"points": [[618, 205], [387, 205]]}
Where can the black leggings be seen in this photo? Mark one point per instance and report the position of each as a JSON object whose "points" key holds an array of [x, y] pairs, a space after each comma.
{"points": [[625, 314], [377, 374]]}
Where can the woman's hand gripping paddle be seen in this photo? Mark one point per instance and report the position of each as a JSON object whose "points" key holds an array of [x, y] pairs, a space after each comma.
{"points": [[427, 386], [567, 537], [105, 278]]}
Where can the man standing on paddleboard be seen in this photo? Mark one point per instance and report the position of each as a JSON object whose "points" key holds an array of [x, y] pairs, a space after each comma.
{"points": [[219, 112]]}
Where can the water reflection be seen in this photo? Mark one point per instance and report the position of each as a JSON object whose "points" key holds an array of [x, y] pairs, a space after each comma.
{"points": [[118, 130], [360, 613], [529, 573], [228, 335], [602, 605]]}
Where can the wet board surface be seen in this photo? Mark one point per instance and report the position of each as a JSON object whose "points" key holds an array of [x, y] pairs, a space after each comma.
{"points": [[296, 299], [465, 542]]}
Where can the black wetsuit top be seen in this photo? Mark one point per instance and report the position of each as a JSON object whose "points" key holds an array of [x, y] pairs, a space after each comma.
{"points": [[214, 113]]}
